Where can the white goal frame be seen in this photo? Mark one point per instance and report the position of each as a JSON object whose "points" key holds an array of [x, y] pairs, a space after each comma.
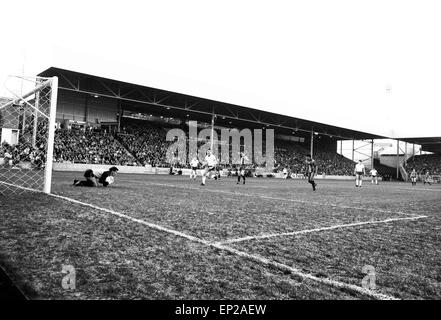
{"points": [[31, 100]]}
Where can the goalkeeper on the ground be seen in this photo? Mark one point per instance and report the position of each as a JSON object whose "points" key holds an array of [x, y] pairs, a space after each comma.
{"points": [[105, 178]]}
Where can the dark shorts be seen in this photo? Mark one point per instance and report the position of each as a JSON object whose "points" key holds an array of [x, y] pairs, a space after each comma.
{"points": [[210, 168], [194, 168], [359, 173], [87, 183]]}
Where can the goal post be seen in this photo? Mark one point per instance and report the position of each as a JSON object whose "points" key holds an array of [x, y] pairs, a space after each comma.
{"points": [[51, 135], [27, 134]]}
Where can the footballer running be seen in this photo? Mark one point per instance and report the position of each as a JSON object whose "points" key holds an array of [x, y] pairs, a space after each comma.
{"points": [[311, 171], [210, 163], [374, 176], [194, 166], [427, 179], [241, 171]]}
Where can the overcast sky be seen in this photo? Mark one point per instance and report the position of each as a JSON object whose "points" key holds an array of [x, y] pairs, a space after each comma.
{"points": [[373, 66]]}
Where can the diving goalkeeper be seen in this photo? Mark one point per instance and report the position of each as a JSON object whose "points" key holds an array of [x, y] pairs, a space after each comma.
{"points": [[105, 178]]}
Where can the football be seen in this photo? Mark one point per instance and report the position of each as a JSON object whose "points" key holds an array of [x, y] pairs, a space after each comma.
{"points": [[110, 180]]}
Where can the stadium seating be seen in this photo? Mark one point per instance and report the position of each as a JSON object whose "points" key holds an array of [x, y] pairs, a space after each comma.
{"points": [[24, 150], [292, 157], [423, 163], [144, 143], [87, 146]]}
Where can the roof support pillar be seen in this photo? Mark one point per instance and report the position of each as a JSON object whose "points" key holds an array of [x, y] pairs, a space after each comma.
{"points": [[405, 154], [413, 153], [398, 159], [120, 112], [353, 149], [86, 109]]}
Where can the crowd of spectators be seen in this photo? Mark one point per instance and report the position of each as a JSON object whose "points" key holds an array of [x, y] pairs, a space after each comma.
{"points": [[30, 148], [292, 157], [334, 164], [144, 143], [23, 152], [89, 146], [424, 163]]}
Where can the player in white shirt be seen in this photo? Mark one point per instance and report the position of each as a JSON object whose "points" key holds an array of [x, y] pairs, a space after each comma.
{"points": [[413, 177], [210, 165], [194, 166], [8, 158], [359, 172], [285, 173], [374, 176]]}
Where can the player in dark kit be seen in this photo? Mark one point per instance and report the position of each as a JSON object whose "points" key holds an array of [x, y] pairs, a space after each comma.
{"points": [[311, 171], [93, 178], [241, 171], [427, 178]]}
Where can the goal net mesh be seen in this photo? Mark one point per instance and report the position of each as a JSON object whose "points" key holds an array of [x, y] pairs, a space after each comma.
{"points": [[26, 141]]}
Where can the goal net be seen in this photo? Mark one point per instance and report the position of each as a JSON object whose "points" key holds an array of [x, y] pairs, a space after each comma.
{"points": [[27, 129]]}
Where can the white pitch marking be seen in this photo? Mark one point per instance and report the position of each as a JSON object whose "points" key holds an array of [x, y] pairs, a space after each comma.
{"points": [[287, 199], [295, 271], [121, 215], [265, 236], [421, 189], [258, 258], [254, 257]]}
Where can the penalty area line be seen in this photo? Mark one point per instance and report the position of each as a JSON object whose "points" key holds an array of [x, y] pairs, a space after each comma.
{"points": [[254, 257], [304, 275], [300, 232], [121, 215]]}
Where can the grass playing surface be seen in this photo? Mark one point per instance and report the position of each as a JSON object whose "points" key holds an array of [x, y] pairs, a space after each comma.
{"points": [[166, 237]]}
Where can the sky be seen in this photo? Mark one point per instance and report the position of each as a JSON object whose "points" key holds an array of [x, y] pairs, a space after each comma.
{"points": [[373, 66]]}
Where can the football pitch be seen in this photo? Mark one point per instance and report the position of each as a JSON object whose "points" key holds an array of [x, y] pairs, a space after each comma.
{"points": [[167, 237]]}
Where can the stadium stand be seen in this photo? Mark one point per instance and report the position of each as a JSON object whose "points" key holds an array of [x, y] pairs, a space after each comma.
{"points": [[423, 163], [292, 157], [144, 143], [24, 150], [89, 146]]}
